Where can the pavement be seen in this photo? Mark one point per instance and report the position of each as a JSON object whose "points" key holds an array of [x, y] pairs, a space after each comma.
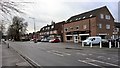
{"points": [[10, 58]]}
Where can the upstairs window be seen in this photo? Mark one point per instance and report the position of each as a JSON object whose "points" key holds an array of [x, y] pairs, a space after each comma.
{"points": [[101, 16], [91, 15], [84, 26], [100, 26], [107, 26], [107, 17], [79, 18], [71, 28], [83, 17], [52, 27]]}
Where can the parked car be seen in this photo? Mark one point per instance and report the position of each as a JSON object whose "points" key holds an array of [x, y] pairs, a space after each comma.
{"points": [[45, 40], [93, 40], [54, 40]]}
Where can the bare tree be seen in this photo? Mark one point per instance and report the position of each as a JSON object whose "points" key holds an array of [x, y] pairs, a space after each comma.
{"points": [[8, 6]]}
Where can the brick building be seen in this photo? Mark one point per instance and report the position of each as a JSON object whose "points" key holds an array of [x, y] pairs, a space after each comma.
{"points": [[52, 31], [97, 22], [116, 31]]}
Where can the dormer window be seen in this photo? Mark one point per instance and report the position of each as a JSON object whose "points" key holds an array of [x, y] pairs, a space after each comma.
{"points": [[79, 18], [76, 18], [83, 17], [91, 15], [70, 20], [52, 27]]}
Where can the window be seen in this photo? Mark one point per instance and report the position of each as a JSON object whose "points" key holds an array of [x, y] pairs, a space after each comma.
{"points": [[66, 29], [107, 26], [52, 27], [79, 18], [83, 17], [99, 25], [84, 26], [70, 20], [77, 27], [101, 16], [76, 18], [107, 17], [91, 15]]}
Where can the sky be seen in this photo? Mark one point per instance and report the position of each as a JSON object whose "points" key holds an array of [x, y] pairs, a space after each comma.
{"points": [[45, 11]]}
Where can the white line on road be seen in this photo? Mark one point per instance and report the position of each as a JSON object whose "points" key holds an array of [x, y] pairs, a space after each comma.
{"points": [[55, 53], [103, 62], [81, 54], [88, 63]]}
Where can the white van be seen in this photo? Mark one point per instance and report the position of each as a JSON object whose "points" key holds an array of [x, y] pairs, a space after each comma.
{"points": [[93, 40]]}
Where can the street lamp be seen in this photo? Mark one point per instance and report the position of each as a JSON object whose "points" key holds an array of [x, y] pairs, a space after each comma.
{"points": [[34, 30], [34, 23]]}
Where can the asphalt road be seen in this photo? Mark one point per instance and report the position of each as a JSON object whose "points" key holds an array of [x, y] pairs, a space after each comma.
{"points": [[56, 54]]}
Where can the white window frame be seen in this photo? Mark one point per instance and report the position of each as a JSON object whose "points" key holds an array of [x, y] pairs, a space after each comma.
{"points": [[84, 26], [100, 26], [107, 17], [102, 16], [107, 26]]}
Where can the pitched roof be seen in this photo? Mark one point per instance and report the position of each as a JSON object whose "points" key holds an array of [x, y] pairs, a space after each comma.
{"points": [[85, 15]]}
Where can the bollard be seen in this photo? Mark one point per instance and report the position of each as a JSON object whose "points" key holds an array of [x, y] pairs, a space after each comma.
{"points": [[82, 44], [91, 44], [118, 45], [100, 44], [8, 45], [110, 44]]}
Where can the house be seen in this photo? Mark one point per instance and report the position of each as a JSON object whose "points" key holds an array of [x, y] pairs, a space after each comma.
{"points": [[52, 31], [116, 31], [97, 22]]}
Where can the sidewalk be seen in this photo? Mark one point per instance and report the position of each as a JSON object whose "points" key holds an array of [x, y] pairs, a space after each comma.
{"points": [[12, 58]]}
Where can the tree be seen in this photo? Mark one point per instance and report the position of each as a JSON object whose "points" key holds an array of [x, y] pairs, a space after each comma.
{"points": [[18, 28], [8, 6]]}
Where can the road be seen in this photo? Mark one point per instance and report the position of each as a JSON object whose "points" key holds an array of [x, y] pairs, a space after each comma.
{"points": [[56, 54]]}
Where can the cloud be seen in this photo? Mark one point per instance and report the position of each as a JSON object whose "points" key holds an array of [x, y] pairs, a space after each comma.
{"points": [[45, 11]]}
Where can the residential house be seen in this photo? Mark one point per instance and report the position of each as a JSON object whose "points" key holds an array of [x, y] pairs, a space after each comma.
{"points": [[52, 31], [97, 22]]}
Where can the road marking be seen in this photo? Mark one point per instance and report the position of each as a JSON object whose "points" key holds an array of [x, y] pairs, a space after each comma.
{"points": [[61, 52], [103, 62], [88, 63], [81, 54], [58, 54], [90, 54], [55, 53], [100, 56]]}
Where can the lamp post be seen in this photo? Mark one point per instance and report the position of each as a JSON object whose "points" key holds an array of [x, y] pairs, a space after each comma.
{"points": [[34, 23], [34, 30]]}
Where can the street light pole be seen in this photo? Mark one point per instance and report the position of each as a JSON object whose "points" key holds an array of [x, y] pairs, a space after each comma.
{"points": [[34, 30], [34, 23]]}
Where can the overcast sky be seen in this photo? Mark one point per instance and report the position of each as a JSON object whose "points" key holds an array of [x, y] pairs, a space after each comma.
{"points": [[44, 11]]}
